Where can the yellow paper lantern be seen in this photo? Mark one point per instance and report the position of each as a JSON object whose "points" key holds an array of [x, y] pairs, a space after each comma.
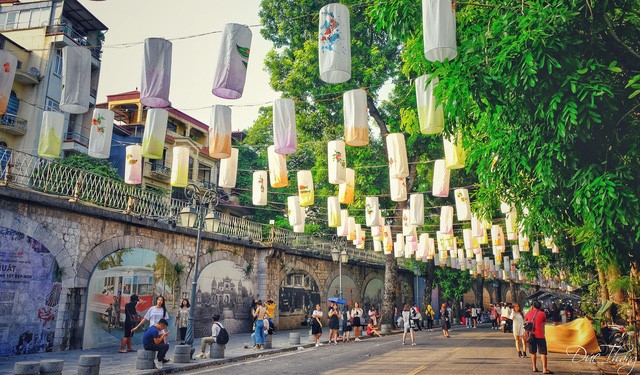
{"points": [[397, 153], [337, 162], [133, 165], [454, 154], [333, 212], [497, 238], [278, 175], [305, 188], [346, 192], [50, 141], [356, 121], [512, 225], [430, 116], [155, 131], [351, 224], [523, 241], [259, 193], [387, 239], [180, 166], [229, 170], [220, 132]]}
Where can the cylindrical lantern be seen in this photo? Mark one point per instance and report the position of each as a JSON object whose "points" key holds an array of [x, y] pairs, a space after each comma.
{"points": [[133, 165], [376, 232], [356, 122], [9, 62], [180, 166], [337, 160], [259, 193], [359, 235], [441, 176], [497, 238], [101, 132], [362, 239], [516, 252], [346, 192], [333, 212], [50, 141], [467, 238], [407, 228], [155, 131], [439, 30], [294, 211], [454, 154], [229, 170], [463, 207], [431, 248], [446, 220], [398, 188], [423, 245], [430, 116], [278, 174], [387, 239], [334, 44], [505, 207], [523, 241], [351, 224], [398, 246], [156, 73], [305, 188], [477, 230], [377, 246], [512, 226], [231, 71], [298, 228], [372, 211], [76, 79], [416, 209], [548, 242], [397, 152], [343, 229], [220, 132], [284, 126]]}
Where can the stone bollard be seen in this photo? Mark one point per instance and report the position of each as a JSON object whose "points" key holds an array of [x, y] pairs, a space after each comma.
{"points": [[145, 360], [216, 351], [89, 365], [51, 367], [385, 329], [268, 342], [182, 354], [294, 338], [26, 368]]}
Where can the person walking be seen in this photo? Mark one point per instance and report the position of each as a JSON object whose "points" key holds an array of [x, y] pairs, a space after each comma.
{"points": [[493, 316], [467, 317], [215, 330], [416, 317], [156, 341], [518, 330], [130, 316], [316, 325], [154, 314], [474, 317], [334, 323], [260, 315], [429, 314], [182, 319], [408, 324], [356, 316], [505, 313], [445, 317], [346, 325], [539, 343]]}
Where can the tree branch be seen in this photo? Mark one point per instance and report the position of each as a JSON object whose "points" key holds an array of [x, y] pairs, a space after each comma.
{"points": [[373, 111], [613, 34]]}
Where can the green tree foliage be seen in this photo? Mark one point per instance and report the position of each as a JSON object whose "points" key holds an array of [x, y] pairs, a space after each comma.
{"points": [[86, 163]]}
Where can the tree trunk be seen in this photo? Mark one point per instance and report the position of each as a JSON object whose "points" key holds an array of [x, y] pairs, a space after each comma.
{"points": [[498, 291], [613, 273], [390, 283], [602, 280], [477, 286], [429, 277], [514, 295]]}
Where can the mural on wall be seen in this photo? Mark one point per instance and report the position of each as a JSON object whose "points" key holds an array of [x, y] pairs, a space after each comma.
{"points": [[349, 291], [406, 294], [299, 294], [373, 294], [224, 288], [116, 277], [30, 285]]}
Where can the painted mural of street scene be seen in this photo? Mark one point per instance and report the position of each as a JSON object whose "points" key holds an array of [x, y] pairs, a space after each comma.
{"points": [[299, 294], [373, 294], [30, 285], [349, 291]]}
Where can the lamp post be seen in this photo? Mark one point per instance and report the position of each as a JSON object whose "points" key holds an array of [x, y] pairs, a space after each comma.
{"points": [[199, 202], [339, 254]]}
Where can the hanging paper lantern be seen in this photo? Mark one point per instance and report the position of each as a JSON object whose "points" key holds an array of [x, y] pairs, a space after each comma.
{"points": [[284, 126], [377, 246], [50, 141], [430, 116], [523, 241], [441, 177], [363, 236], [407, 228], [351, 223], [516, 252], [180, 166], [467, 238], [9, 64], [431, 248], [259, 193], [409, 249], [220, 132], [334, 44], [337, 160], [346, 191], [101, 132], [372, 211], [356, 122], [359, 235], [229, 170], [298, 228], [454, 154], [133, 165], [278, 175], [155, 130], [497, 238], [343, 229], [156, 73], [505, 208], [416, 209], [294, 211], [397, 152], [398, 246], [231, 72], [555, 249], [398, 189], [76, 79], [439, 30], [376, 232], [446, 220], [333, 211], [548, 242], [510, 221], [477, 230], [463, 208], [305, 188], [423, 245], [387, 239]]}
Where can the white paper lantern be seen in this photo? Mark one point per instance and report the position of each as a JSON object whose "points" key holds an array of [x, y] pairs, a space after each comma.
{"points": [[284, 126], [231, 71], [512, 225], [376, 232], [50, 141], [133, 165], [76, 79], [463, 207], [430, 116], [407, 228], [439, 30], [259, 193], [156, 73], [356, 121], [423, 245], [155, 131], [441, 176], [278, 175], [446, 220], [398, 189], [497, 238], [409, 249], [505, 207], [398, 246], [180, 166], [333, 212], [298, 228], [477, 230], [343, 229], [416, 209], [377, 246], [305, 188], [337, 161], [294, 211], [351, 223], [7, 75], [431, 248], [372, 211], [220, 132], [516, 252], [346, 191], [359, 235], [101, 132], [397, 153], [229, 170], [454, 154], [467, 238], [334, 44]]}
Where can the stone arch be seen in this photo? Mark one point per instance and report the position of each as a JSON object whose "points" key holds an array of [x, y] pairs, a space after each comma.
{"points": [[345, 273], [210, 258], [299, 265], [370, 277], [41, 233]]}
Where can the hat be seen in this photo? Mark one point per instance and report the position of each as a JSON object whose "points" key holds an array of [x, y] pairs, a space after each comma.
{"points": [[134, 298]]}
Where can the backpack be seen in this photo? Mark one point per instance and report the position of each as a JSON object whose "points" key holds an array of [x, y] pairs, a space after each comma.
{"points": [[223, 336]]}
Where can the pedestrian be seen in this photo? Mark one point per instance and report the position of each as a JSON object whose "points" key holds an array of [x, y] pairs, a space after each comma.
{"points": [[109, 313], [130, 317], [518, 330], [154, 314], [346, 325], [445, 317], [155, 341], [408, 324], [373, 315], [416, 317], [182, 319], [356, 317], [259, 315], [271, 312], [215, 330], [371, 330], [334, 323], [493, 316], [429, 314], [539, 343], [467, 317], [505, 313], [316, 325], [498, 316], [474, 317]]}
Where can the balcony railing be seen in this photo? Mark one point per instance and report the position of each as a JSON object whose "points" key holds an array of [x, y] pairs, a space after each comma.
{"points": [[76, 137], [160, 171], [14, 124], [78, 38]]}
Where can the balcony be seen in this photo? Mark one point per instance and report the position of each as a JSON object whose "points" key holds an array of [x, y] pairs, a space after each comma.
{"points": [[13, 124], [75, 37], [160, 171], [75, 142], [28, 77]]}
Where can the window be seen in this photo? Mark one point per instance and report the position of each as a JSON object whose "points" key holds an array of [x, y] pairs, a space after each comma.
{"points": [[172, 127], [204, 173], [25, 19], [51, 105], [190, 168], [57, 63]]}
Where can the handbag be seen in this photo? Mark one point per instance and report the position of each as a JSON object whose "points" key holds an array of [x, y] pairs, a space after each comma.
{"points": [[529, 327]]}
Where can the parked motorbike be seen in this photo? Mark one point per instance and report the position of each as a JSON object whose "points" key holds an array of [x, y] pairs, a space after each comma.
{"points": [[611, 337]]}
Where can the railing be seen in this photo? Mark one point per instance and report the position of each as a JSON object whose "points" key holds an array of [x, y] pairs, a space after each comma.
{"points": [[14, 122], [76, 137], [78, 38], [160, 170]]}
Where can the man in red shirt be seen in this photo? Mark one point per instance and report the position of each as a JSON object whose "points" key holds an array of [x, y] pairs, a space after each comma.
{"points": [[539, 345]]}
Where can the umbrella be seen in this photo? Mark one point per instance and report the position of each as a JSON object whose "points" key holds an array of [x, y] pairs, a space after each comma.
{"points": [[337, 300]]}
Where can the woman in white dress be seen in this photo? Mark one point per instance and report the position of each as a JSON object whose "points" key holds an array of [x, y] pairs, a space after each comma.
{"points": [[518, 330], [154, 314]]}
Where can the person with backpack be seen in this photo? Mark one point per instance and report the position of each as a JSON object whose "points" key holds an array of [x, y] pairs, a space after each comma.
{"points": [[219, 335]]}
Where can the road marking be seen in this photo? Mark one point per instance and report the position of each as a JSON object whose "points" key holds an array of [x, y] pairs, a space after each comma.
{"points": [[423, 367]]}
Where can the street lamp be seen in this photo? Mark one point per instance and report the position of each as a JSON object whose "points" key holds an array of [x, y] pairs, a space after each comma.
{"points": [[196, 214], [339, 254]]}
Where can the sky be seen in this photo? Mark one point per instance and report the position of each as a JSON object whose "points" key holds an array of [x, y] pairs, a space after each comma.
{"points": [[194, 60]]}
